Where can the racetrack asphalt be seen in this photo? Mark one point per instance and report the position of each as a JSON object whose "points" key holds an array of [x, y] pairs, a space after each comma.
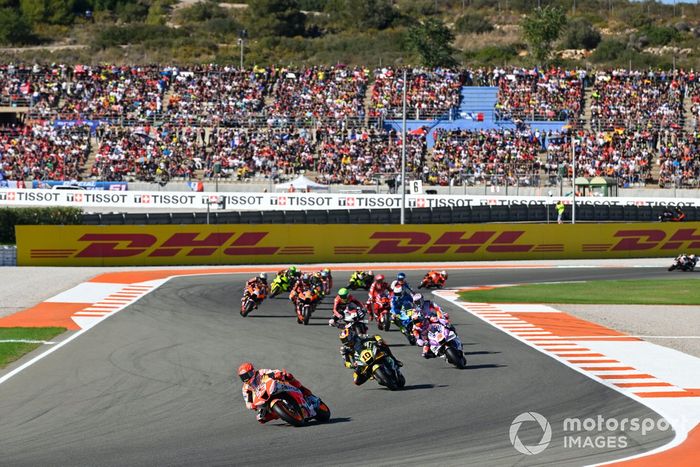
{"points": [[154, 385]]}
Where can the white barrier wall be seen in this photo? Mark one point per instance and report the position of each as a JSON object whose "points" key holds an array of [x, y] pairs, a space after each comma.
{"points": [[8, 255], [293, 201]]}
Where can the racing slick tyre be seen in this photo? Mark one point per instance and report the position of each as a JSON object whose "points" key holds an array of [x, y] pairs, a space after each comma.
{"points": [[672, 267], [306, 314], [288, 411], [385, 379], [456, 358], [402, 380], [385, 322], [247, 308], [323, 413]]}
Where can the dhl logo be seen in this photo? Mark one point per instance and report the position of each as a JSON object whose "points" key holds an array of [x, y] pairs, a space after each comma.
{"points": [[378, 242]]}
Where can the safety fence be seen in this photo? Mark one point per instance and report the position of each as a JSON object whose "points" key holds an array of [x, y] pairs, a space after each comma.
{"points": [[443, 215]]}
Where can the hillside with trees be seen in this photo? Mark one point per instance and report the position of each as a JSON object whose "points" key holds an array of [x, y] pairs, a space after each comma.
{"points": [[591, 33]]}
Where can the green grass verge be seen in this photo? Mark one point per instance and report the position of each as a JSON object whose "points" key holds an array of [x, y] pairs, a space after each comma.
{"points": [[11, 351], [633, 292]]}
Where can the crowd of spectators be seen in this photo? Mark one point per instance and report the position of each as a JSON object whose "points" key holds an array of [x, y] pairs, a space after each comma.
{"points": [[431, 92], [531, 94], [466, 156], [625, 155], [42, 152], [635, 100], [679, 162]]}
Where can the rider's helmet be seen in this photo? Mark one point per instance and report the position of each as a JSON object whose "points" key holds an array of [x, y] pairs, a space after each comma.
{"points": [[324, 273], [379, 278], [263, 276], [343, 294], [346, 336], [327, 271], [444, 273], [418, 299], [293, 269], [246, 371], [370, 273], [305, 277], [401, 276]]}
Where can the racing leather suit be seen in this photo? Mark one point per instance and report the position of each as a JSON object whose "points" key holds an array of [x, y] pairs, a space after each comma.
{"points": [[281, 375], [375, 292], [339, 306]]}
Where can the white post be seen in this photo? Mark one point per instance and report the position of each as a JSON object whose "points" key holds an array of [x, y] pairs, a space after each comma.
{"points": [[403, 154], [573, 180]]}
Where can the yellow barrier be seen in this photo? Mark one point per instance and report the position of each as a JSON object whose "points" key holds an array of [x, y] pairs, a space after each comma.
{"points": [[48, 245]]}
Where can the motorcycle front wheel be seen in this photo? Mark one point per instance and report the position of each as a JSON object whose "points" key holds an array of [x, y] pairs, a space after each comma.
{"points": [[385, 379], [288, 411], [323, 413], [247, 307], [306, 314], [456, 358]]}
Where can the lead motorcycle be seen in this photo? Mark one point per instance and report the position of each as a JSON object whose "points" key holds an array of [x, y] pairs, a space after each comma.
{"points": [[288, 403], [373, 362], [684, 263], [445, 343]]}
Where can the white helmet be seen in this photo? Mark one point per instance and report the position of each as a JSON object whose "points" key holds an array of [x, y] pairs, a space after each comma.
{"points": [[418, 299], [263, 276]]}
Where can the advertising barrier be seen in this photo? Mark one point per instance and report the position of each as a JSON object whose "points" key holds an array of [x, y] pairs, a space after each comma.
{"points": [[295, 201], [45, 245]]}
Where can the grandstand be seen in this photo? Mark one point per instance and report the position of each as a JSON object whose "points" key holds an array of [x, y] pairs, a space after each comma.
{"points": [[342, 125]]}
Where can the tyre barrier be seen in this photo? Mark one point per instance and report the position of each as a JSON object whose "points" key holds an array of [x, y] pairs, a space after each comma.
{"points": [[444, 215], [8, 255]]}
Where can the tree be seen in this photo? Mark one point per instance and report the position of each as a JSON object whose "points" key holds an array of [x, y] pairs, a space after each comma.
{"points": [[432, 41], [362, 14], [580, 34], [541, 29], [275, 18], [14, 28]]}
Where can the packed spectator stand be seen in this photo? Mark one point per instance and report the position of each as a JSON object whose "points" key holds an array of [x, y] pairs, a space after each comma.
{"points": [[155, 123]]}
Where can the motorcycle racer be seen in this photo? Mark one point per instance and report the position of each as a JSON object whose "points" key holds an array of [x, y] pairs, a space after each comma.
{"points": [[352, 345], [302, 284], [292, 274], [428, 308], [260, 280], [435, 277], [253, 378], [342, 300], [378, 287], [401, 281], [400, 297]]}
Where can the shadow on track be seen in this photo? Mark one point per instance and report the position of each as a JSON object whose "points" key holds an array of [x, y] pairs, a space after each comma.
{"points": [[484, 366]]}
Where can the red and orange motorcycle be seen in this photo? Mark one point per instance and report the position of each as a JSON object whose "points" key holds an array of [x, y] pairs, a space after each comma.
{"points": [[253, 296], [305, 304], [433, 279], [288, 403], [381, 311]]}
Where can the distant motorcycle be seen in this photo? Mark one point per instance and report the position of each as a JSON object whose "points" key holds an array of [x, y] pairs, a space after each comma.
{"points": [[433, 279], [684, 263], [446, 344], [252, 298], [279, 284], [404, 321], [360, 280], [381, 311], [306, 303]]}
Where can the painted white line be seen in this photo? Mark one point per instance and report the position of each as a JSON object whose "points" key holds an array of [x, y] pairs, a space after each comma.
{"points": [[25, 341], [668, 337], [90, 313]]}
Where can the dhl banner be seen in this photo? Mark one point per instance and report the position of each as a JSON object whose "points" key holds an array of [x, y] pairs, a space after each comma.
{"points": [[45, 245]]}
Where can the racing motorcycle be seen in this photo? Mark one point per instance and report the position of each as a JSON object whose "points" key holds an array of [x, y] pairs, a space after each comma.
{"points": [[279, 284], [252, 297], [305, 305], [360, 280], [288, 403], [436, 281], [382, 367], [326, 283], [404, 321], [446, 344], [381, 311], [684, 262], [354, 318]]}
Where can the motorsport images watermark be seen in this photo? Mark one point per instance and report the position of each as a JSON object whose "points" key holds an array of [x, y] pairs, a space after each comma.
{"points": [[590, 432]]}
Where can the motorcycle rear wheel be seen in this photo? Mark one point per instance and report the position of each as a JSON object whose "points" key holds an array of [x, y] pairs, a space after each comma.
{"points": [[288, 411]]}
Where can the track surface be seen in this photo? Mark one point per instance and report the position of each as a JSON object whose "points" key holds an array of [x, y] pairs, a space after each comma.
{"points": [[153, 386]]}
